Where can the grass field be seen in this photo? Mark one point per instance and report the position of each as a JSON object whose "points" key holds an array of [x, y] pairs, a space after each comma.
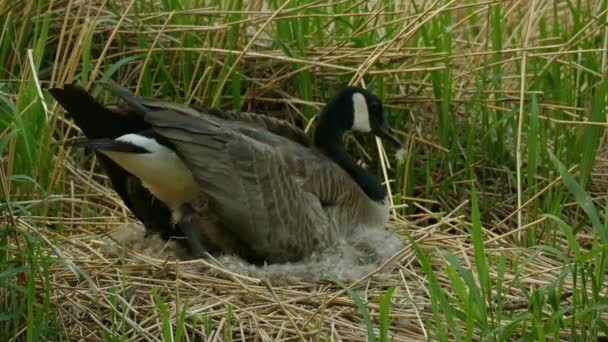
{"points": [[502, 196]]}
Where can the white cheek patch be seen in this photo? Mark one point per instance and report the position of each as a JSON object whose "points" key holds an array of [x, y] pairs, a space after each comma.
{"points": [[361, 114]]}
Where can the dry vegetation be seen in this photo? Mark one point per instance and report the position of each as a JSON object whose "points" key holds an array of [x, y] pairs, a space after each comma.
{"points": [[478, 91]]}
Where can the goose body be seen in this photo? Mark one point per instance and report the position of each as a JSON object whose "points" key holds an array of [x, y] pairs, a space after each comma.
{"points": [[237, 186]]}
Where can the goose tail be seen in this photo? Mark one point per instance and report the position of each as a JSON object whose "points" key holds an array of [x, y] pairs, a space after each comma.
{"points": [[93, 118]]}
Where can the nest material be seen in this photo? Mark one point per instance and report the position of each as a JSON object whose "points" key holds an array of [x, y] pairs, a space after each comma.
{"points": [[98, 289], [119, 282], [368, 250]]}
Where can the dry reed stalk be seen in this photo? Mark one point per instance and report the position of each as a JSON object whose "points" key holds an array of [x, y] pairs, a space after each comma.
{"points": [[121, 284]]}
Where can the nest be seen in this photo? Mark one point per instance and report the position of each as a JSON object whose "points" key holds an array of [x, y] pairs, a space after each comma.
{"points": [[115, 280]]}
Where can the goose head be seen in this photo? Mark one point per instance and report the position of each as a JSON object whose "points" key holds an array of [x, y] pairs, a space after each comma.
{"points": [[353, 109]]}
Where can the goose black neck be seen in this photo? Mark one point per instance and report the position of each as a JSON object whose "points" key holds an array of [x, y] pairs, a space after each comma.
{"points": [[328, 139]]}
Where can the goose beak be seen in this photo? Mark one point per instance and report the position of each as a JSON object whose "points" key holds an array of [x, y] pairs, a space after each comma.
{"points": [[385, 132]]}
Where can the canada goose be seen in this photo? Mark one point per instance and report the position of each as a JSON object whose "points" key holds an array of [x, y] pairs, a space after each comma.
{"points": [[272, 198]]}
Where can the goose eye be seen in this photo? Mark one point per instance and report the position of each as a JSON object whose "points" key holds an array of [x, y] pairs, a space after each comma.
{"points": [[374, 107]]}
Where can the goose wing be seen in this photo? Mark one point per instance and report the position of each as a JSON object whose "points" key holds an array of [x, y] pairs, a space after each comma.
{"points": [[143, 105], [274, 125], [257, 182]]}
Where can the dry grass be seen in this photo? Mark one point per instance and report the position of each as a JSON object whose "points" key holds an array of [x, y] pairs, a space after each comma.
{"points": [[119, 286], [95, 291]]}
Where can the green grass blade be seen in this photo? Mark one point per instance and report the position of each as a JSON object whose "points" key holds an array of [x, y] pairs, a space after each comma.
{"points": [[582, 198], [385, 309], [360, 306]]}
